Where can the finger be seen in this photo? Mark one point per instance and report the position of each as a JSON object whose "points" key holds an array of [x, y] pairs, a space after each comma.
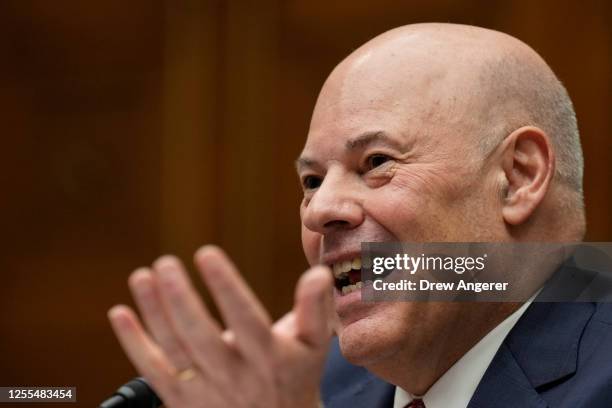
{"points": [[143, 286], [192, 323], [238, 305], [313, 307], [285, 326], [149, 360]]}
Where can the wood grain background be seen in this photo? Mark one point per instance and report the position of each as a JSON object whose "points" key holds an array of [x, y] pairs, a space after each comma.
{"points": [[132, 129]]}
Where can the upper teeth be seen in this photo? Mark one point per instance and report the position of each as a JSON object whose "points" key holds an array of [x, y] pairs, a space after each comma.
{"points": [[340, 268]]}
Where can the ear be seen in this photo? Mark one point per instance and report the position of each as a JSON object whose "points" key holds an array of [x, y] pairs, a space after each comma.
{"points": [[528, 163]]}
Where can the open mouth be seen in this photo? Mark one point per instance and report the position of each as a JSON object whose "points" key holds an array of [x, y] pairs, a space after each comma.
{"points": [[348, 276]]}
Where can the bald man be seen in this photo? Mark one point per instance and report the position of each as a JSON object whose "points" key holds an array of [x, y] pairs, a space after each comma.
{"points": [[427, 133]]}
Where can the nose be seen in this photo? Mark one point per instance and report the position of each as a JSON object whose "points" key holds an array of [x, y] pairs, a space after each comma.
{"points": [[335, 205]]}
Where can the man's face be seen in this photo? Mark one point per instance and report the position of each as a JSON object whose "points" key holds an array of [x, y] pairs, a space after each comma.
{"points": [[385, 160]]}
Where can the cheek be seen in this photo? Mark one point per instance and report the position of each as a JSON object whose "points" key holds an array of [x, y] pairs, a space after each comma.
{"points": [[400, 209], [397, 216], [431, 182], [414, 204], [311, 242]]}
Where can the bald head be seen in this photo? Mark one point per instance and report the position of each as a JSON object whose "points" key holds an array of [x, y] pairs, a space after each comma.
{"points": [[435, 133], [483, 82]]}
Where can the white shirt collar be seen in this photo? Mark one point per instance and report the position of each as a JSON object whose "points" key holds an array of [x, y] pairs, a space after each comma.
{"points": [[457, 385]]}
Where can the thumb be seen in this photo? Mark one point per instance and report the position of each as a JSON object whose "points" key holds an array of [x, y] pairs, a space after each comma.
{"points": [[314, 306]]}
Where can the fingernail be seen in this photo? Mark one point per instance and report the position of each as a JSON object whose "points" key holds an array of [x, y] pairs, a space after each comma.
{"points": [[119, 317], [139, 277], [165, 260], [207, 254], [201, 251], [167, 273], [115, 313]]}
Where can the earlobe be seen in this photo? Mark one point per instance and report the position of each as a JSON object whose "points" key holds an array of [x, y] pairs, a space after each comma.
{"points": [[528, 165]]}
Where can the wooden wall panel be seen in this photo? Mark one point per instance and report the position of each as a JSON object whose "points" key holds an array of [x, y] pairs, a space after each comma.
{"points": [[189, 180], [246, 163], [79, 109], [81, 130]]}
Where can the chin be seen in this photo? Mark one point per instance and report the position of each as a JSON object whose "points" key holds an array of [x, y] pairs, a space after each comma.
{"points": [[368, 341]]}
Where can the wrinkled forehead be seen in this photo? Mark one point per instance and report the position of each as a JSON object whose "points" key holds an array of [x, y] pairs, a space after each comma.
{"points": [[405, 94]]}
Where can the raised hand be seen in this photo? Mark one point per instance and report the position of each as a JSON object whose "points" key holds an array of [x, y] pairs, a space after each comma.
{"points": [[191, 361]]}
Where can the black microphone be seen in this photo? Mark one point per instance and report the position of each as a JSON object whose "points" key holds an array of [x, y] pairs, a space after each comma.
{"points": [[134, 394]]}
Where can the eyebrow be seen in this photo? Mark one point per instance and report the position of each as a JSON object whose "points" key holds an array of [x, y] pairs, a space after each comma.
{"points": [[304, 162], [361, 141], [368, 138]]}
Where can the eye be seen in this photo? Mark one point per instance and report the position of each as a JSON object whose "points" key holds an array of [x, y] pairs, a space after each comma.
{"points": [[377, 160], [311, 182]]}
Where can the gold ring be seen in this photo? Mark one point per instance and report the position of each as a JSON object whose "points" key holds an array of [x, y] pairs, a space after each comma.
{"points": [[186, 374]]}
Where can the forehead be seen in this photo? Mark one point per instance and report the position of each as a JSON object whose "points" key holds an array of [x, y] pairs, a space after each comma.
{"points": [[407, 91], [351, 109]]}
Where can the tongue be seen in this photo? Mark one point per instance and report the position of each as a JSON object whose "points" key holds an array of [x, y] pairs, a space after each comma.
{"points": [[354, 276]]}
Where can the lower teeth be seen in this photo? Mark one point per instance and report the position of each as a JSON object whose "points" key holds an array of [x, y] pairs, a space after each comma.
{"points": [[351, 288]]}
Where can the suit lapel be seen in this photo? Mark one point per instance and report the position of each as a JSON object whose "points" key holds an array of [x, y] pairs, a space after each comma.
{"points": [[545, 344], [540, 350], [504, 385]]}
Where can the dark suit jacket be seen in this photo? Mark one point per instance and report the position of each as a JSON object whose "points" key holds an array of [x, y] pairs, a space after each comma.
{"points": [[557, 355]]}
